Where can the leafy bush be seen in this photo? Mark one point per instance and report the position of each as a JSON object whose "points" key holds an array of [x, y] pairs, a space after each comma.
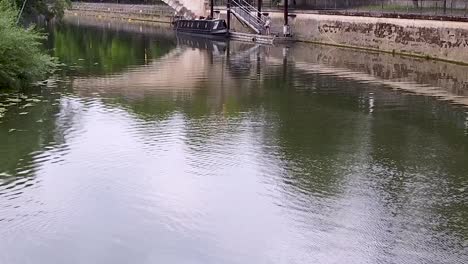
{"points": [[48, 8], [57, 7], [21, 58]]}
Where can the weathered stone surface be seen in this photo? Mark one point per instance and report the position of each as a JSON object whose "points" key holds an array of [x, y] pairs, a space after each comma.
{"points": [[440, 39], [151, 13]]}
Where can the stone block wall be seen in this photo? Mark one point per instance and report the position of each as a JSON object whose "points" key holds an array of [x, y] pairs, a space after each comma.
{"points": [[443, 40]]}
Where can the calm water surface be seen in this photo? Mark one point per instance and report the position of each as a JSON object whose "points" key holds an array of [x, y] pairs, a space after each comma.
{"points": [[153, 148]]}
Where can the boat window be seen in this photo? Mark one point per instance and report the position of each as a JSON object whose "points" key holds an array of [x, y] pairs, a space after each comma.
{"points": [[216, 23]]}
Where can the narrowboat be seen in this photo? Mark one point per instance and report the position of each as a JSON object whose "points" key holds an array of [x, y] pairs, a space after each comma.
{"points": [[212, 27]]}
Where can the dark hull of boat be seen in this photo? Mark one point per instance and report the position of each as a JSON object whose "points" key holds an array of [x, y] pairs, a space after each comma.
{"points": [[215, 28]]}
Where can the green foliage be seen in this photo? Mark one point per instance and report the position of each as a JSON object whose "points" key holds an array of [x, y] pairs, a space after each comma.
{"points": [[48, 8], [21, 58], [58, 7]]}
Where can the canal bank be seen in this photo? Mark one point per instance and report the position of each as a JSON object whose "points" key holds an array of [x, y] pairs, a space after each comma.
{"points": [[136, 154], [446, 81], [428, 39]]}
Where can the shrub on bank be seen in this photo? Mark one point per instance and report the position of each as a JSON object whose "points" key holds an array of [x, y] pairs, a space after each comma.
{"points": [[21, 59], [47, 8]]}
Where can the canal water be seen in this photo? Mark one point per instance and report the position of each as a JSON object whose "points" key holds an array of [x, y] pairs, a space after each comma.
{"points": [[147, 147]]}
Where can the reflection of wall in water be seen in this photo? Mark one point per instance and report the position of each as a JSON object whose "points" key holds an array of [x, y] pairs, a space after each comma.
{"points": [[445, 80], [449, 77], [174, 71]]}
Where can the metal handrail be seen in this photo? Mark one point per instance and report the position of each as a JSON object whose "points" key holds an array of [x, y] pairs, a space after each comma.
{"points": [[248, 9], [245, 5], [257, 26], [250, 16]]}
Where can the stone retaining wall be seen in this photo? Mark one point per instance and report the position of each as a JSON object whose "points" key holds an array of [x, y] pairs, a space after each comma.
{"points": [[151, 13], [443, 40]]}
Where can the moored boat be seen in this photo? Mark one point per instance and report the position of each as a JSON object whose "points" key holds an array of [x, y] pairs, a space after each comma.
{"points": [[212, 27]]}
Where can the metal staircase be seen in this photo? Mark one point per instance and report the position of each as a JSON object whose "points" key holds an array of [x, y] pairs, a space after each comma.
{"points": [[180, 9], [248, 15]]}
